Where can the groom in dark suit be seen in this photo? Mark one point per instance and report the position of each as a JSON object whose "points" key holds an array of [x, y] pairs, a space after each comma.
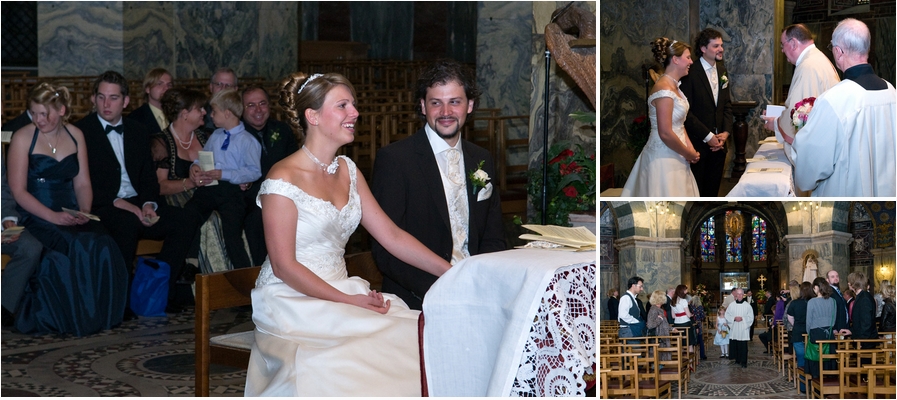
{"points": [[709, 118], [424, 184], [125, 187]]}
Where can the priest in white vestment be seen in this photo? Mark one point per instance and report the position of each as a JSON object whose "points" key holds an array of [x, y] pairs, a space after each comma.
{"points": [[813, 75], [847, 148]]}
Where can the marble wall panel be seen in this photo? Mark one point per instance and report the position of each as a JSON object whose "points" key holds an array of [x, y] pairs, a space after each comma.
{"points": [[278, 44], [79, 38], [505, 64], [387, 26], [210, 35], [148, 36]]}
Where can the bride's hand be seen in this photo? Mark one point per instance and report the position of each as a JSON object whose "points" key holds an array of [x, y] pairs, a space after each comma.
{"points": [[372, 301], [695, 158]]}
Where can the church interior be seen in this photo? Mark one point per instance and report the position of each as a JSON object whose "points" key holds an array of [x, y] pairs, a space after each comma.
{"points": [[759, 72], [716, 246], [70, 43]]}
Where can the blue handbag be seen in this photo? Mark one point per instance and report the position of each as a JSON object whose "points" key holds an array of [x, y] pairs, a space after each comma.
{"points": [[149, 291]]}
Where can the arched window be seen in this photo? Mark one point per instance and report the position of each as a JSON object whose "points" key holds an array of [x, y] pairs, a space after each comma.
{"points": [[708, 240], [733, 243], [758, 232]]}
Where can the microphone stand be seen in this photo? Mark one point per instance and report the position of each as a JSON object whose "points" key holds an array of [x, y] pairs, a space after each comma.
{"points": [[545, 140]]}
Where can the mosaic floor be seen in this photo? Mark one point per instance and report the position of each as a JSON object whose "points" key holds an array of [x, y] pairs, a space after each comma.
{"points": [[722, 378], [145, 357]]}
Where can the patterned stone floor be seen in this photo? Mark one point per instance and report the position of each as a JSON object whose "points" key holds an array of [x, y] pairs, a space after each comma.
{"points": [[721, 378], [145, 357]]}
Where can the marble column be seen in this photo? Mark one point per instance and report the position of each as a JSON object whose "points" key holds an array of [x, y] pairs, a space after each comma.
{"points": [[656, 260], [832, 247]]}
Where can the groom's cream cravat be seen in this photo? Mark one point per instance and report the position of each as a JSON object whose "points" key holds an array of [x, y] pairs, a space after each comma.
{"points": [[457, 204], [714, 84]]}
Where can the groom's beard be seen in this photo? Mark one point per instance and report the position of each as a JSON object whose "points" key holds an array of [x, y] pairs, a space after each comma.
{"points": [[448, 135]]}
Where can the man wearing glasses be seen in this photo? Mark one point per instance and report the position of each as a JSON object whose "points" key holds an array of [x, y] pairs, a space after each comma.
{"points": [[632, 324], [847, 146], [223, 78], [278, 141], [813, 74]]}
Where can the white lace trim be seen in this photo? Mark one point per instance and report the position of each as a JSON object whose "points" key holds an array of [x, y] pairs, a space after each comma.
{"points": [[561, 348], [328, 265]]}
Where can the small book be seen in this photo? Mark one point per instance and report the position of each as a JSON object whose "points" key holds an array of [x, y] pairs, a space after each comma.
{"points": [[76, 213], [207, 163], [12, 232], [561, 238], [761, 170], [152, 220], [762, 158]]}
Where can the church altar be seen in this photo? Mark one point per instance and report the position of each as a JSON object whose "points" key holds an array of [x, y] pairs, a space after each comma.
{"points": [[514, 323], [766, 184]]}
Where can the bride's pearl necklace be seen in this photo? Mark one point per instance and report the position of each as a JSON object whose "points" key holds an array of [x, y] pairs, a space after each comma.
{"points": [[331, 169]]}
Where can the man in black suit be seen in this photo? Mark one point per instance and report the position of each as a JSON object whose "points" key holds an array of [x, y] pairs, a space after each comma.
{"points": [[278, 141], [125, 187], [150, 114], [709, 119], [17, 122], [424, 184]]}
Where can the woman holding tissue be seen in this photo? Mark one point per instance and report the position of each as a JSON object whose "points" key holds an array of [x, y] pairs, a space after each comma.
{"points": [[662, 169]]}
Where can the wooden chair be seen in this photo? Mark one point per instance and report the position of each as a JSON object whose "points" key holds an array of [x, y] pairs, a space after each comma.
{"points": [[828, 381], [676, 368], [147, 247], [650, 384], [785, 359], [800, 374], [881, 380], [852, 373], [619, 374], [214, 291]]}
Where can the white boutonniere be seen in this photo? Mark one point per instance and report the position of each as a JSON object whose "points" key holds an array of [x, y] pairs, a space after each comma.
{"points": [[275, 136], [479, 178], [725, 80]]}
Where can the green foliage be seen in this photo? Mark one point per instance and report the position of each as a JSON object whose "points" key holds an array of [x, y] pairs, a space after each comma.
{"points": [[571, 183]]}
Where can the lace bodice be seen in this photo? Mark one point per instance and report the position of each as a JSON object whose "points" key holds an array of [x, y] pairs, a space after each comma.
{"points": [[680, 111], [321, 229]]}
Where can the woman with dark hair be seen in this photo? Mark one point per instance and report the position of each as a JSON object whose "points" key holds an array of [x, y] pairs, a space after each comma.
{"points": [[174, 150], [318, 331], [81, 286], [821, 311], [662, 169], [682, 315]]}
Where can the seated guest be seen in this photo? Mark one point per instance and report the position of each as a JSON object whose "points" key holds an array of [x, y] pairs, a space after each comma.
{"points": [[174, 150], [85, 291], [223, 78], [278, 141], [125, 189], [150, 114], [17, 122], [24, 251], [847, 146], [237, 164]]}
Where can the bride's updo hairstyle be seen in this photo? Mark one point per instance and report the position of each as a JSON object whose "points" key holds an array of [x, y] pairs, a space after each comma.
{"points": [[299, 92], [49, 96], [664, 49]]}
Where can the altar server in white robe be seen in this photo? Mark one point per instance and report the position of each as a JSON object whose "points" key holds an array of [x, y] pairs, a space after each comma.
{"points": [[813, 74], [848, 146]]}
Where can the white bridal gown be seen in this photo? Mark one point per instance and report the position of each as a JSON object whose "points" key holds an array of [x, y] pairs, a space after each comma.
{"points": [[305, 346], [659, 171]]}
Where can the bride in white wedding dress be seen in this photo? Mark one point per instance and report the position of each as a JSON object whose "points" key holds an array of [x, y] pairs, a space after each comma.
{"points": [[319, 332], [662, 169]]}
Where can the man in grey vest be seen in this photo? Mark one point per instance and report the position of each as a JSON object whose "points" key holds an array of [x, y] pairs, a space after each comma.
{"points": [[629, 313]]}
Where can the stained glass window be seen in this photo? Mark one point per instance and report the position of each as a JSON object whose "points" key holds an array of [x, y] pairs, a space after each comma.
{"points": [[708, 241], [758, 232], [733, 244]]}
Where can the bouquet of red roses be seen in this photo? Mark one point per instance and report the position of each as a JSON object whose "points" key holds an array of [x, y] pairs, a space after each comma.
{"points": [[801, 112]]}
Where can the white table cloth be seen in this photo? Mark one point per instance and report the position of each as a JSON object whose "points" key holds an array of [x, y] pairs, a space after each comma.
{"points": [[513, 323], [766, 184]]}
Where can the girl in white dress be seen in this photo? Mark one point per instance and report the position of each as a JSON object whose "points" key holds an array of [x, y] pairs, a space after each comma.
{"points": [[662, 169], [319, 332], [722, 333]]}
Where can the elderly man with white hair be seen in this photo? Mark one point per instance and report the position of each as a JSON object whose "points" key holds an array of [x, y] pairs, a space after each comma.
{"points": [[847, 147], [740, 317]]}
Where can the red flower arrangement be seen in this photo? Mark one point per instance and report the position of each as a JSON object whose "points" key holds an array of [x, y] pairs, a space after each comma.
{"points": [[571, 183]]}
